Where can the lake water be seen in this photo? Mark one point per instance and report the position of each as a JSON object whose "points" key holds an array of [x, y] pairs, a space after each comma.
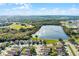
{"points": [[51, 32]]}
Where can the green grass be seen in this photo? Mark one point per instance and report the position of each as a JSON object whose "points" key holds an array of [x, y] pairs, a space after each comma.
{"points": [[47, 40], [77, 40], [19, 26], [51, 41]]}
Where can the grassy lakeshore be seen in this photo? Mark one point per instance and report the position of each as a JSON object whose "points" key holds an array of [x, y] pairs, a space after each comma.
{"points": [[49, 41]]}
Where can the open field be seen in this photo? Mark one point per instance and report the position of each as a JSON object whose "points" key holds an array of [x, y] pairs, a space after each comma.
{"points": [[47, 40], [18, 26]]}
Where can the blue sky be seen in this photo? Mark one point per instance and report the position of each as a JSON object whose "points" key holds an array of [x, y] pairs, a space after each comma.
{"points": [[39, 9]]}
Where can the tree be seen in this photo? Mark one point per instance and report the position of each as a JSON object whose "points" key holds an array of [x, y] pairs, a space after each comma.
{"points": [[30, 36], [3, 46], [7, 44], [36, 36], [66, 54], [44, 42], [22, 30], [60, 39], [29, 43], [23, 51], [50, 51], [33, 51], [41, 42], [53, 54], [37, 42], [72, 40]]}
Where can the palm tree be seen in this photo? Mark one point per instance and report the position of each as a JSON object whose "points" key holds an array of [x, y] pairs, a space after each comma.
{"points": [[33, 51], [36, 36], [31, 36], [60, 39], [44, 42], [50, 52]]}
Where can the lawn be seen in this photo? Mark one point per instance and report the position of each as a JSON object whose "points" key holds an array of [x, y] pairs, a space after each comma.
{"points": [[47, 40], [51, 41], [77, 40], [19, 26]]}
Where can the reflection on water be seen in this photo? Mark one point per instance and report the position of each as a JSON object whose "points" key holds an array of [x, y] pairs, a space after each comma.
{"points": [[51, 32]]}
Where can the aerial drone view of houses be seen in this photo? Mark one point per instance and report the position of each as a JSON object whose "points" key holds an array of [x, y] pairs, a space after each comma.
{"points": [[40, 34]]}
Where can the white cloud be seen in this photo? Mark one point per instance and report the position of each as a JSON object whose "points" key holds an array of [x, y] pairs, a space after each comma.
{"points": [[25, 9], [58, 11], [43, 9], [22, 6], [73, 11]]}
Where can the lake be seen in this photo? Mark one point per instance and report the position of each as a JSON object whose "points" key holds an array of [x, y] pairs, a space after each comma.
{"points": [[51, 32]]}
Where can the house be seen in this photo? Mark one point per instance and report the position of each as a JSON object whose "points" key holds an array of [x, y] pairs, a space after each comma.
{"points": [[42, 50]]}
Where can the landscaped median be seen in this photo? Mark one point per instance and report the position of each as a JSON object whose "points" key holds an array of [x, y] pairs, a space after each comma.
{"points": [[72, 50]]}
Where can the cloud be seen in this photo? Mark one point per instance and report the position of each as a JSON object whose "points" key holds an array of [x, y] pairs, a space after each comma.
{"points": [[58, 11], [26, 9], [73, 11], [43, 8], [20, 9], [22, 6], [43, 11]]}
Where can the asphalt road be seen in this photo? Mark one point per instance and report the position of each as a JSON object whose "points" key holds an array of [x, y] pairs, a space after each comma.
{"points": [[73, 48]]}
